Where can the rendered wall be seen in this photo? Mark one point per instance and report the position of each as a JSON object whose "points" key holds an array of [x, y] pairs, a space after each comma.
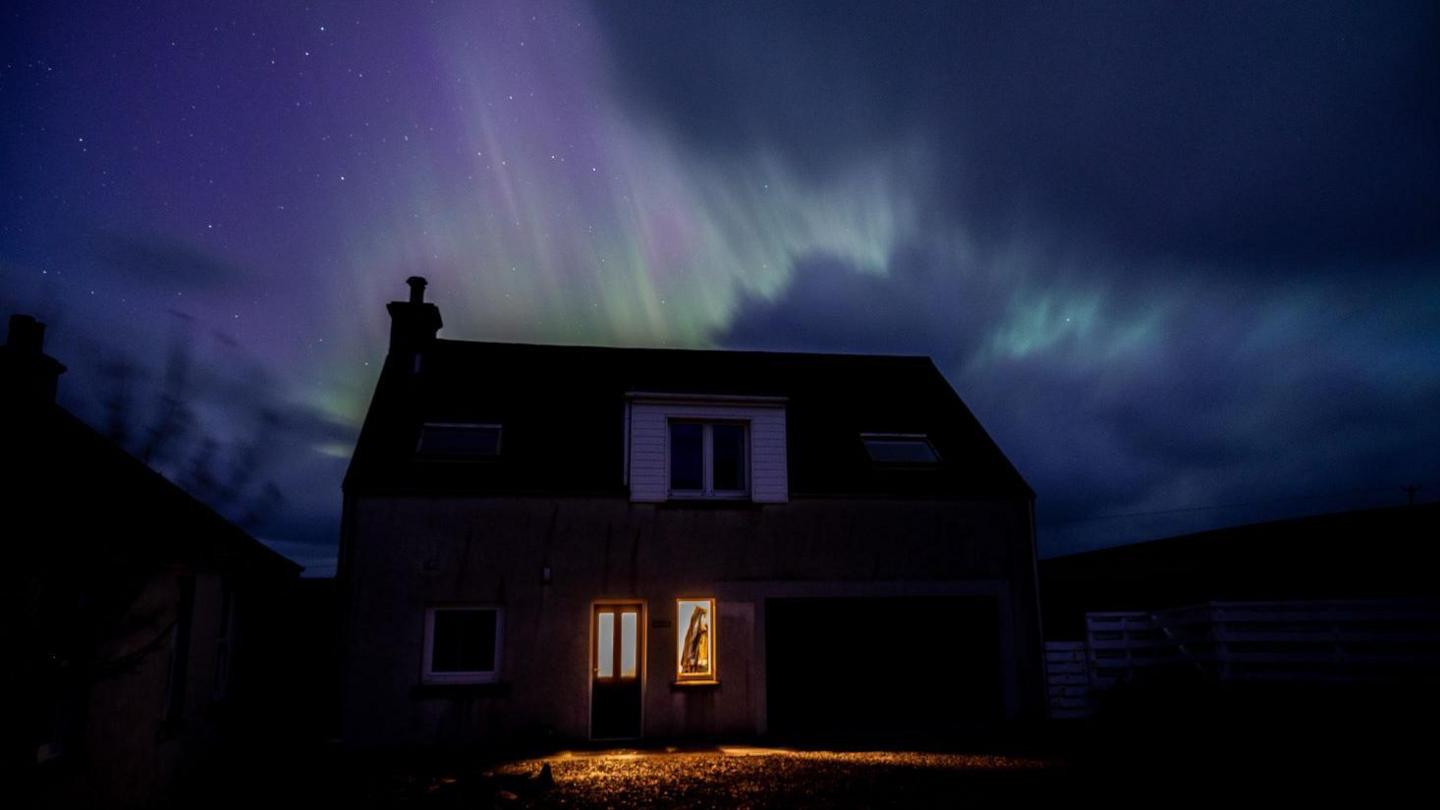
{"points": [[403, 554]]}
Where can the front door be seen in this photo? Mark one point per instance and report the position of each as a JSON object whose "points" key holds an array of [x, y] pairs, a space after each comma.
{"points": [[617, 666]]}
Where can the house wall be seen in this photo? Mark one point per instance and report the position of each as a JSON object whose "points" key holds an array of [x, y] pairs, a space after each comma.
{"points": [[403, 554], [115, 747], [107, 737]]}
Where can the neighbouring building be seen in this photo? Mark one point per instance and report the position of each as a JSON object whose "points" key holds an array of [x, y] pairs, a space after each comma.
{"points": [[578, 542], [1345, 601], [135, 643]]}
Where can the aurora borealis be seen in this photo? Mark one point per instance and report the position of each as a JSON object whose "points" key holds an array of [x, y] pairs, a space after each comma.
{"points": [[1176, 258]]}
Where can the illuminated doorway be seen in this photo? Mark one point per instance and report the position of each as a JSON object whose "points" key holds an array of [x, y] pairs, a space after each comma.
{"points": [[617, 642]]}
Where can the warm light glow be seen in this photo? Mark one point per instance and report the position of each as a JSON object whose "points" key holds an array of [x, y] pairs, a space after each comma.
{"points": [[617, 641], [629, 631], [695, 640], [752, 751], [605, 656]]}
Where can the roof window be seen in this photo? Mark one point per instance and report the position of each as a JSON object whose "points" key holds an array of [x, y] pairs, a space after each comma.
{"points": [[458, 440], [900, 448]]}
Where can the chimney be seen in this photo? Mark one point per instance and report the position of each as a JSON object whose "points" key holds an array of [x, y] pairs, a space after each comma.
{"points": [[413, 323], [28, 373]]}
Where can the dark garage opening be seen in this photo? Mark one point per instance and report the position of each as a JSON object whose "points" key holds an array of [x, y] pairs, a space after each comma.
{"points": [[882, 668]]}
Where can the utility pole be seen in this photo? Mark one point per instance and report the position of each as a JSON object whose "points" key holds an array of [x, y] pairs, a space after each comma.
{"points": [[1410, 490]]}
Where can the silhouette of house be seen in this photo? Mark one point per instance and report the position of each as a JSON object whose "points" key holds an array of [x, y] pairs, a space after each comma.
{"points": [[1346, 602], [142, 614], [1364, 554], [606, 543]]}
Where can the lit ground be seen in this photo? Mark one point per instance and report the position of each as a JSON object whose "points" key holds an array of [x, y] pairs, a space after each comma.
{"points": [[763, 777], [1150, 759]]}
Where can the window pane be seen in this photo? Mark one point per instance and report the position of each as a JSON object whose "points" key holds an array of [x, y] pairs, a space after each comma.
{"points": [[460, 440], [464, 641], [901, 451], [686, 456], [693, 639], [728, 452], [629, 630], [605, 652]]}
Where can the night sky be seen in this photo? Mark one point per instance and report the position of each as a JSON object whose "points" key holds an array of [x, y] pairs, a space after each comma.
{"points": [[1180, 258]]}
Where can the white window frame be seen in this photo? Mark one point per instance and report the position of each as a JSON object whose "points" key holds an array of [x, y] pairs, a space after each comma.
{"points": [[427, 675], [707, 460]]}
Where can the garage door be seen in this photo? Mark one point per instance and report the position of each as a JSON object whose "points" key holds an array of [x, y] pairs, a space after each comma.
{"points": [[881, 667]]}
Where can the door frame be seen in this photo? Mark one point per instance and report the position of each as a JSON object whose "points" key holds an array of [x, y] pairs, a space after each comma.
{"points": [[592, 644]]}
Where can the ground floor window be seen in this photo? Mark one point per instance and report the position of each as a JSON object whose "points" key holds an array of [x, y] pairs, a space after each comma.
{"points": [[462, 644], [695, 639]]}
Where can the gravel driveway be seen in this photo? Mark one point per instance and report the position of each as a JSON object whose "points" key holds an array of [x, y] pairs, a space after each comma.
{"points": [[760, 777]]}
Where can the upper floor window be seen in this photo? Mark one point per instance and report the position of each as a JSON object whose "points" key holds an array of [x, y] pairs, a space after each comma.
{"points": [[900, 448], [711, 447], [458, 440], [708, 459]]}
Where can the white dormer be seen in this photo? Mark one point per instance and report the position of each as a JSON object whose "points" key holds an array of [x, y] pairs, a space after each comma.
{"points": [[702, 447]]}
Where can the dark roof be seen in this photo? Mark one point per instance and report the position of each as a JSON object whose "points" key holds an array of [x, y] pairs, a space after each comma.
{"points": [[78, 493], [1370, 553], [563, 408]]}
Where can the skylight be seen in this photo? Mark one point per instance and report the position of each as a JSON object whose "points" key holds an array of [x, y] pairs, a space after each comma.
{"points": [[459, 440], [899, 448]]}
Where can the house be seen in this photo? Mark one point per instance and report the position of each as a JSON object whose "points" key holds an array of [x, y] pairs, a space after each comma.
{"points": [[601, 543], [139, 618]]}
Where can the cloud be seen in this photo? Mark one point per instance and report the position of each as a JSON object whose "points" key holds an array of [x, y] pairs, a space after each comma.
{"points": [[923, 307], [1262, 137], [1171, 256], [159, 260], [1117, 398]]}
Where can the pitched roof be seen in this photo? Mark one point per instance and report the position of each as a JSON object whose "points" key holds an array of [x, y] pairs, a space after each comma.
{"points": [[1388, 552], [563, 409], [82, 492]]}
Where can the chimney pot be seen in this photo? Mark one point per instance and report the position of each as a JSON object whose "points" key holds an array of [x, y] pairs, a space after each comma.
{"points": [[413, 323], [27, 335], [27, 373]]}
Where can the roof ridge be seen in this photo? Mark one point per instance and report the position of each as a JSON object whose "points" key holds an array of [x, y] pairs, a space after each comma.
{"points": [[682, 350]]}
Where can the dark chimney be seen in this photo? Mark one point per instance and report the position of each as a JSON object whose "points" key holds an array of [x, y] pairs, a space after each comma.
{"points": [[413, 323], [28, 372]]}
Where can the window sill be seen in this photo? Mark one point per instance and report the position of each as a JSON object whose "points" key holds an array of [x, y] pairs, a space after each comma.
{"points": [[708, 502], [680, 686], [423, 691]]}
